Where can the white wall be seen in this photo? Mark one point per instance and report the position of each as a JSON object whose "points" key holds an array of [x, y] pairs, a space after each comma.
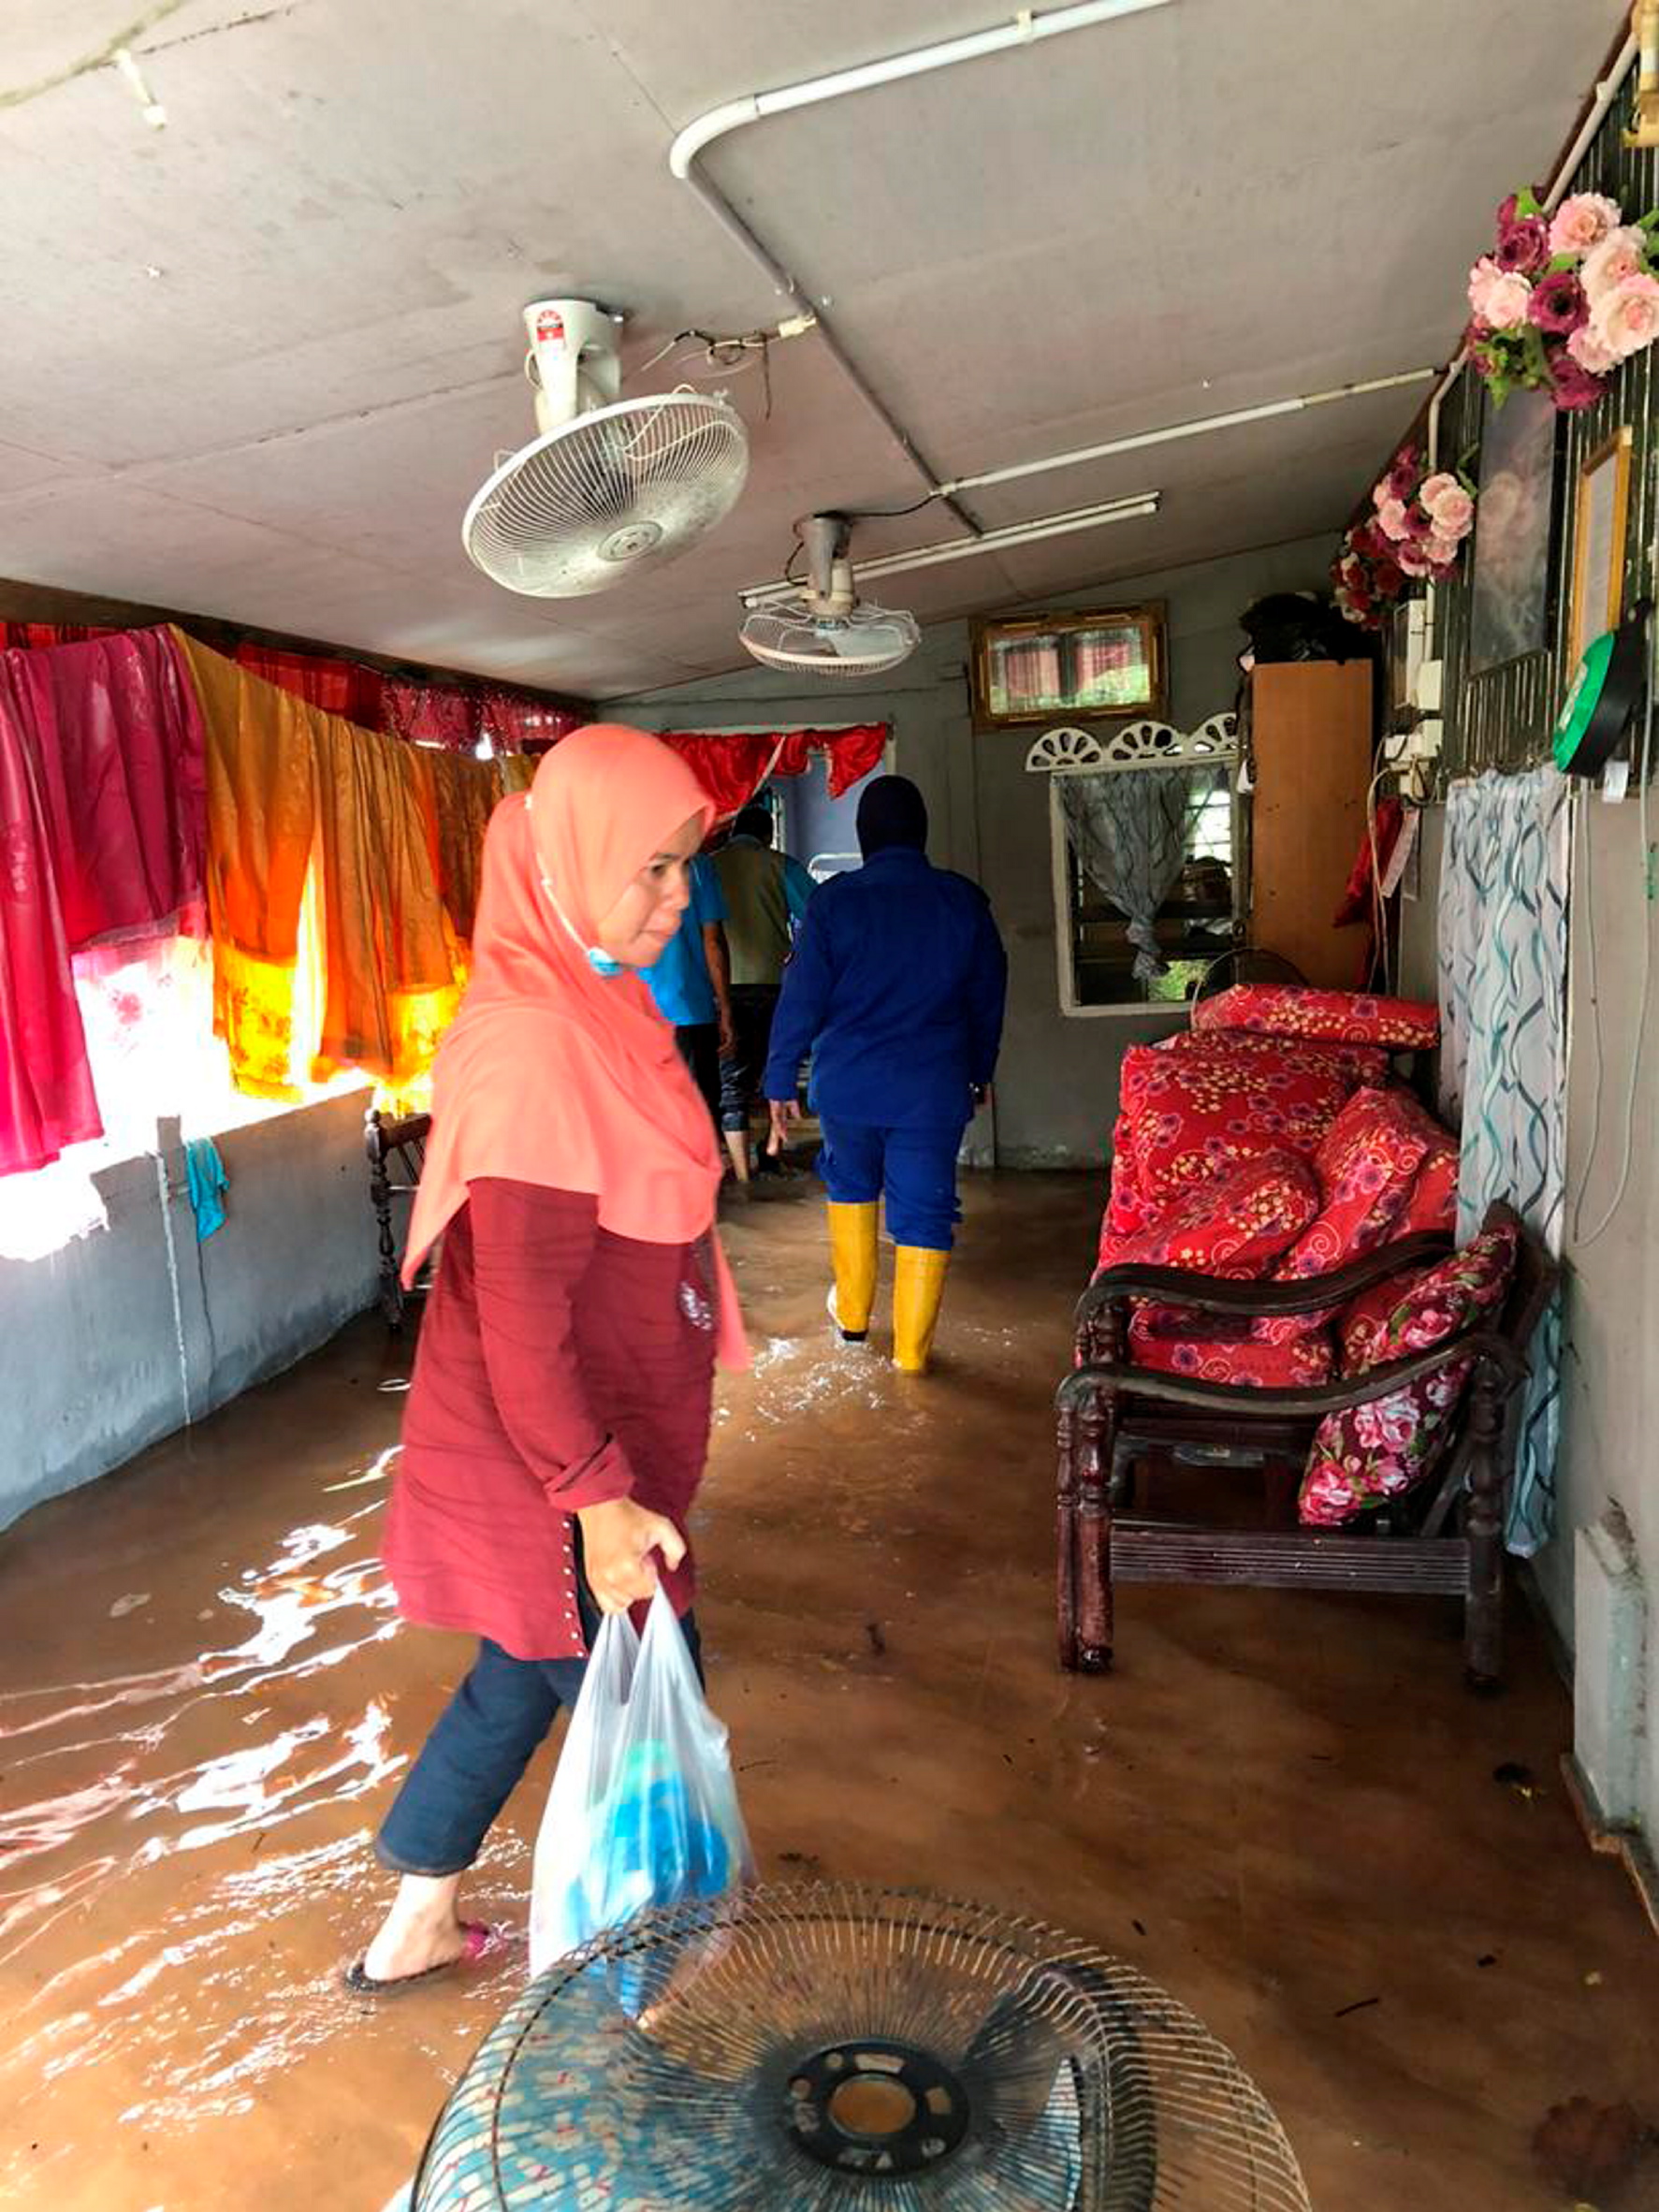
{"points": [[1056, 1090], [90, 1360]]}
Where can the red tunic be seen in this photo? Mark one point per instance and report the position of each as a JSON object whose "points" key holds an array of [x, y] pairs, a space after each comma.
{"points": [[559, 1366]]}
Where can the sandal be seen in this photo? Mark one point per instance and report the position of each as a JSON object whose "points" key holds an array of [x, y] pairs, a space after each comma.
{"points": [[477, 1940]]}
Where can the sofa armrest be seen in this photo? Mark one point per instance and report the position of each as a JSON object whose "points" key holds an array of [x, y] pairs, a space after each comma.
{"points": [[1310, 1402]]}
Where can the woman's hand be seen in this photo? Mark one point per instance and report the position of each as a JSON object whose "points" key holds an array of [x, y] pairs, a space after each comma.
{"points": [[786, 1115], [617, 1541]]}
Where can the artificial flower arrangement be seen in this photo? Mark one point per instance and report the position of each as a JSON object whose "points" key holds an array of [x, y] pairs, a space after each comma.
{"points": [[1417, 529], [1562, 300]]}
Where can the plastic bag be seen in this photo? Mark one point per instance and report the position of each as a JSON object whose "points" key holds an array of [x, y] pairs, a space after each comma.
{"points": [[643, 1809]]}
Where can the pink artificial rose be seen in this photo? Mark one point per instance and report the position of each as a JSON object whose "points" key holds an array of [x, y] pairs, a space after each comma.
{"points": [[1392, 519], [1507, 301], [1413, 560], [1621, 253], [1582, 222], [1450, 508], [1592, 354], [1628, 318], [1439, 551]]}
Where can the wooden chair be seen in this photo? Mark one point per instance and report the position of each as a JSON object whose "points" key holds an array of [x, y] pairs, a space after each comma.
{"points": [[397, 1151], [1445, 1537]]}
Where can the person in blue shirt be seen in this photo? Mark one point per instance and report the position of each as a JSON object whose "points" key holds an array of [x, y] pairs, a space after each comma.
{"points": [[690, 983], [765, 892], [897, 987]]}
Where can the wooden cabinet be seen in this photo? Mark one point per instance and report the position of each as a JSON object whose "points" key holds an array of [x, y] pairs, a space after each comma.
{"points": [[1310, 739]]}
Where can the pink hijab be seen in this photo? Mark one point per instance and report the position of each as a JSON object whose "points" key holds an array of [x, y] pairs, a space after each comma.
{"points": [[553, 1074]]}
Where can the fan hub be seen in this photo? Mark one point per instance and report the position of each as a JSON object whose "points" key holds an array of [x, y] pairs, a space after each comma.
{"points": [[631, 541], [876, 2108]]}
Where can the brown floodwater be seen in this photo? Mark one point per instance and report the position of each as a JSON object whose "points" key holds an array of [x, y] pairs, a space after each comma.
{"points": [[1281, 1807]]}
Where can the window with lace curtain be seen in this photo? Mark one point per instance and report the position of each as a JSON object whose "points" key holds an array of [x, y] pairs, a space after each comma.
{"points": [[1147, 881]]}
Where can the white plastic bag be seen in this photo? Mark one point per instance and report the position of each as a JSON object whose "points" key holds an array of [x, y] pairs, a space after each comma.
{"points": [[643, 1809]]}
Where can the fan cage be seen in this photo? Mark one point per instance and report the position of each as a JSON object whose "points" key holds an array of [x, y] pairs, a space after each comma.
{"points": [[618, 489], [868, 642], [709, 2012]]}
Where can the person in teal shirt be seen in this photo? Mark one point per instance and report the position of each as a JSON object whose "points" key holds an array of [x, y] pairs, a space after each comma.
{"points": [[691, 983]]}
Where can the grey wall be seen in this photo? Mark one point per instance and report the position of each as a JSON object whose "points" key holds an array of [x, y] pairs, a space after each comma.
{"points": [[1609, 1420], [90, 1365], [1057, 1091]]}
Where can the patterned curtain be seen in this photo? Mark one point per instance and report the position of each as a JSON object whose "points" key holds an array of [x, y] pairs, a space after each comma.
{"points": [[1127, 828], [1503, 945]]}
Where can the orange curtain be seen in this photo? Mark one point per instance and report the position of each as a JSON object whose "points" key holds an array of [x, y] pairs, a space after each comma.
{"points": [[262, 809], [343, 882]]}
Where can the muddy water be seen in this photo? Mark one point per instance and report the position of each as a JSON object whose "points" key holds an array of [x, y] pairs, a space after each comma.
{"points": [[206, 1700]]}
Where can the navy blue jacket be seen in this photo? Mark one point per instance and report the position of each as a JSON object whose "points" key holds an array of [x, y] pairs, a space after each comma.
{"points": [[897, 987]]}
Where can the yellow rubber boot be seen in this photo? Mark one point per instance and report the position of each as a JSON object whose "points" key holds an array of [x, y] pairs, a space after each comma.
{"points": [[853, 1254], [918, 1288]]}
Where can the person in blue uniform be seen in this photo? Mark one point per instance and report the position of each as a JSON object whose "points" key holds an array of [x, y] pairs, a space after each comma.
{"points": [[896, 988], [691, 986]]}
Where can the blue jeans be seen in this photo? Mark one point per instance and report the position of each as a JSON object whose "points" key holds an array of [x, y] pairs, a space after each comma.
{"points": [[913, 1170], [480, 1744]]}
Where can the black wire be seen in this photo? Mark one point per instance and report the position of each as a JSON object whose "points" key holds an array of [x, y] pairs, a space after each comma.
{"points": [[888, 514]]}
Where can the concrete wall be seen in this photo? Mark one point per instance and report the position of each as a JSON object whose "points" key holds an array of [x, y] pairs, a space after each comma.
{"points": [[1057, 1091], [90, 1369]]}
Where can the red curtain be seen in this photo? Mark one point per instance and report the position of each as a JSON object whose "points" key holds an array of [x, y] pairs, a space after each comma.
{"points": [[33, 638], [732, 768], [456, 716], [338, 687]]}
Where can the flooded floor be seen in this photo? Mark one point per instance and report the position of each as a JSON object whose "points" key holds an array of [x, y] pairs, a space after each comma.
{"points": [[1282, 1807]]}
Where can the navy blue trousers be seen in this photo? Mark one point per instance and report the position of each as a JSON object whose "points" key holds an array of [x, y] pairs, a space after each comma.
{"points": [[914, 1170], [478, 1749]]}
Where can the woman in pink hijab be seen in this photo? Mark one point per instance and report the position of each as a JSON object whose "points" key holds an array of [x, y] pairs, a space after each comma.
{"points": [[558, 1422]]}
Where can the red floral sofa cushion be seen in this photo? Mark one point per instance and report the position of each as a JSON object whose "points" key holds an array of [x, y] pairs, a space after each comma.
{"points": [[1235, 1226], [1198, 1110], [1366, 1166], [1380, 1450], [1208, 1347], [1432, 1206], [1337, 1017]]}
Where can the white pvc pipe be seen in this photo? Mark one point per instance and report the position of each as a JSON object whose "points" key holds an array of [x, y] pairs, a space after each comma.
{"points": [[1024, 29], [1198, 427], [1006, 539]]}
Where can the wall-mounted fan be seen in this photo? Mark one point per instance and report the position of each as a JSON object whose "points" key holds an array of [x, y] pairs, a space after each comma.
{"points": [[824, 628], [611, 485]]}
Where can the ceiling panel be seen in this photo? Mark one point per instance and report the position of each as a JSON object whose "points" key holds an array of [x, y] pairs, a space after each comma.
{"points": [[256, 362]]}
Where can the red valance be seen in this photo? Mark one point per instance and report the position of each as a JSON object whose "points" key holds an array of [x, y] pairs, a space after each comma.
{"points": [[732, 766]]}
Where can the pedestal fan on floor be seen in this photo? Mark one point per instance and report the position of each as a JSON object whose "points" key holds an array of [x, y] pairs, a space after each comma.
{"points": [[825, 2047]]}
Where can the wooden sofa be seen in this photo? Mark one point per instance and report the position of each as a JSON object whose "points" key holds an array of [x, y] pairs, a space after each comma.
{"points": [[1117, 1422], [1269, 1170]]}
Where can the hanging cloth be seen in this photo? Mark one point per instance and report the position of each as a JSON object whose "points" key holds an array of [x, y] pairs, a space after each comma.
{"points": [[388, 959], [45, 1088], [1501, 926], [118, 745], [552, 1074]]}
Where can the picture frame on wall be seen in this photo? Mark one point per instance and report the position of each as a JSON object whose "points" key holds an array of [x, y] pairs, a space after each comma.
{"points": [[1509, 594], [1601, 504], [1102, 663]]}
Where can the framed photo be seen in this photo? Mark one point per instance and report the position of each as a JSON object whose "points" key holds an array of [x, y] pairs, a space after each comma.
{"points": [[1601, 503], [1107, 663], [1511, 585]]}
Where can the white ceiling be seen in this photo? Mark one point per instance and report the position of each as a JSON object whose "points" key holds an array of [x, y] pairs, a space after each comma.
{"points": [[1214, 204]]}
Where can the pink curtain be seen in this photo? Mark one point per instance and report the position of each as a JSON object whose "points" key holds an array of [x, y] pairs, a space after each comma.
{"points": [[103, 807]]}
